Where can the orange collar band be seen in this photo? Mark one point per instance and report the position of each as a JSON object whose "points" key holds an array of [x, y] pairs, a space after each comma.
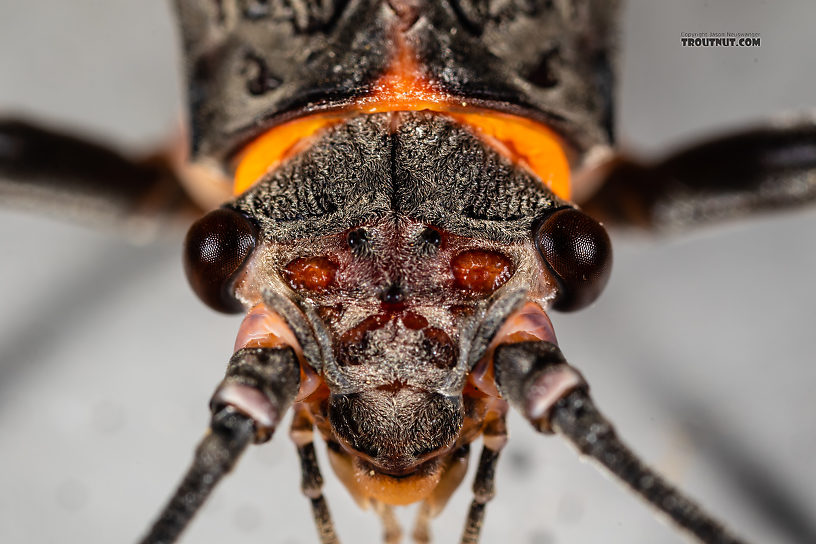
{"points": [[403, 88]]}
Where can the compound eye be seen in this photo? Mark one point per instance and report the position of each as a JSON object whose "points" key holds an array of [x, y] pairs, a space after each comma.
{"points": [[216, 248], [577, 250]]}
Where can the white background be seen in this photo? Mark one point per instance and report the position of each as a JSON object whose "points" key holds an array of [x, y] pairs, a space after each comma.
{"points": [[701, 348]]}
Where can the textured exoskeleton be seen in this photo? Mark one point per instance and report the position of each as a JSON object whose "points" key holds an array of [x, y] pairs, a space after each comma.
{"points": [[398, 251]]}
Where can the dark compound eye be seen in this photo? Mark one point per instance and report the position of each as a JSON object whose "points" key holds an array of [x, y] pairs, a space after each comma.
{"points": [[216, 248], [578, 252]]}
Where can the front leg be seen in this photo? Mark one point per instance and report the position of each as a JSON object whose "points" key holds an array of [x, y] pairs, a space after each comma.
{"points": [[737, 175], [484, 485], [536, 379], [72, 178], [302, 434]]}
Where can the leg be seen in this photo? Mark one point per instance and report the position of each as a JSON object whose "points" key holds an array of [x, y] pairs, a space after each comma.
{"points": [[484, 489], [761, 170], [392, 532], [451, 479], [311, 478], [422, 529], [259, 386], [535, 378], [75, 179]]}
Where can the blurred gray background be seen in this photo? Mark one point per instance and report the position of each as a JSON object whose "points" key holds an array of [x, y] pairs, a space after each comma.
{"points": [[701, 349]]}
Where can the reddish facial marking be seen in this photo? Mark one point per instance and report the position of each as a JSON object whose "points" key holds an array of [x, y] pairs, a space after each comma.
{"points": [[353, 342], [480, 271], [460, 310], [440, 347], [312, 273], [414, 321], [356, 334], [330, 313]]}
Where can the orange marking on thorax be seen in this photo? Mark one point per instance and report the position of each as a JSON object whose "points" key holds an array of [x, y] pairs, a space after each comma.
{"points": [[404, 87], [274, 146], [529, 143]]}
